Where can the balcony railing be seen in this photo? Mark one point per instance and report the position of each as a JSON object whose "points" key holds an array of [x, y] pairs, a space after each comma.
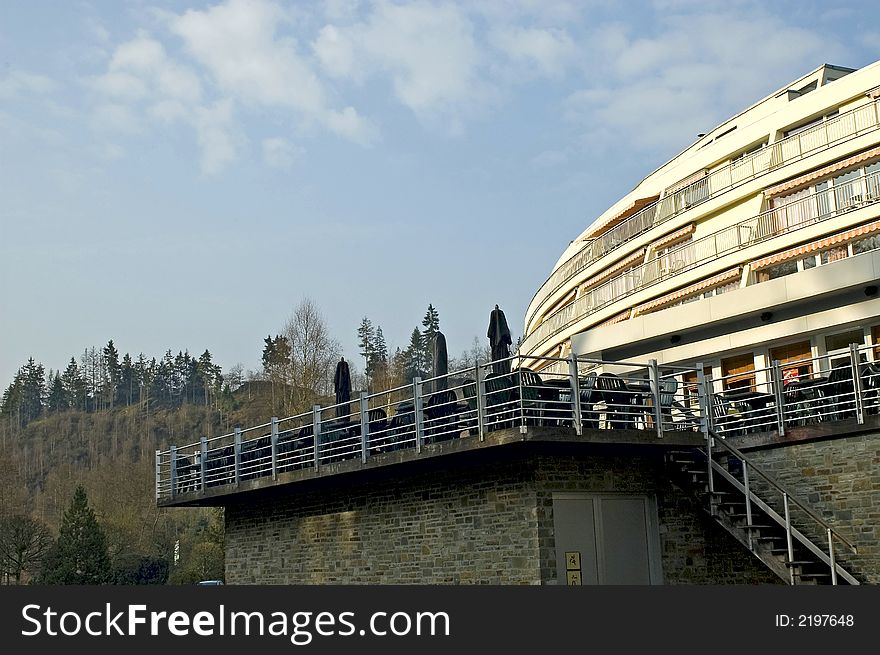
{"points": [[844, 126], [468, 404], [785, 219]]}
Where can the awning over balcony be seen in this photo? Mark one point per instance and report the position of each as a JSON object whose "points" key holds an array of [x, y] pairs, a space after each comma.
{"points": [[826, 171], [672, 237], [702, 285], [637, 256], [821, 244], [634, 207]]}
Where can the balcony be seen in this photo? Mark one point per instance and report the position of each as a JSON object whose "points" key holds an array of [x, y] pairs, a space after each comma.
{"points": [[782, 220], [793, 148]]}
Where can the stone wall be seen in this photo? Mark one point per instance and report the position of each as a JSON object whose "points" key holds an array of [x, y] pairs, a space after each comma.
{"points": [[474, 520], [840, 478]]}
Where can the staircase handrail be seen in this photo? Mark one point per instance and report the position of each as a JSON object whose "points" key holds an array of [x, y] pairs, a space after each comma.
{"points": [[781, 488]]}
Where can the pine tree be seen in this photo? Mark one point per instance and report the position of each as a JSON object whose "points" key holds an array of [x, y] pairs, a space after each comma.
{"points": [[57, 400], [111, 373], [74, 386], [127, 381], [431, 325], [366, 342], [413, 357], [80, 554], [33, 391]]}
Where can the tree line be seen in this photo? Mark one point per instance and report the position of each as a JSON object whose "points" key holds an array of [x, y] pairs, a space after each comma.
{"points": [[101, 380]]}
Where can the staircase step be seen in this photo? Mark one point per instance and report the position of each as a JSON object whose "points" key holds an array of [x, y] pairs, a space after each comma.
{"points": [[757, 527]]}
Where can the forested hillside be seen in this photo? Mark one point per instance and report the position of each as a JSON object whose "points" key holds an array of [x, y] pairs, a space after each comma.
{"points": [[98, 424]]}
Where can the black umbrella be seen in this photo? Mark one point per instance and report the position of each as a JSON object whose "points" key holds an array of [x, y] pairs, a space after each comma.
{"points": [[342, 386], [499, 341], [441, 362]]}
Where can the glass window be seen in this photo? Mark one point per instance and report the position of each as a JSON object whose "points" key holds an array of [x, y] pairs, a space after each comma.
{"points": [[833, 254], [794, 358], [808, 262], [847, 189], [781, 270], [823, 199], [872, 180], [841, 340], [866, 245], [739, 371]]}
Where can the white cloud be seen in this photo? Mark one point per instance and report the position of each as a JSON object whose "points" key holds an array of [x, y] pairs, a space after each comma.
{"points": [[19, 82], [215, 135], [115, 117], [429, 51], [120, 85], [656, 92], [238, 43], [551, 50], [335, 52], [278, 152]]}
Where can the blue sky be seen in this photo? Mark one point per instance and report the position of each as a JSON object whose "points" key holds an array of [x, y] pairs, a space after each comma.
{"points": [[182, 174]]}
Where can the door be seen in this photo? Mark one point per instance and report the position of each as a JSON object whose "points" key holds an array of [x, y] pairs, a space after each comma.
{"points": [[606, 539]]}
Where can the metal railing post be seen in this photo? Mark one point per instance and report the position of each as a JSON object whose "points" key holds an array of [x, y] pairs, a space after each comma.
{"points": [[236, 448], [173, 452], [748, 502], [418, 417], [203, 461], [522, 405], [788, 538], [831, 556], [779, 396], [365, 427], [316, 431], [274, 445], [576, 415], [713, 502], [705, 401], [158, 472], [857, 383], [481, 401], [654, 376]]}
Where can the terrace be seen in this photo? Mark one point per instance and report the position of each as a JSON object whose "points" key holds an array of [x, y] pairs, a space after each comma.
{"points": [[627, 404]]}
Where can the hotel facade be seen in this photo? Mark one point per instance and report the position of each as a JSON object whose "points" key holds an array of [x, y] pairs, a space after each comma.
{"points": [[758, 243]]}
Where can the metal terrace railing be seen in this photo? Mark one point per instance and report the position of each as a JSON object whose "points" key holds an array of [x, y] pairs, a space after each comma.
{"points": [[784, 219], [843, 385], [849, 124], [467, 404]]}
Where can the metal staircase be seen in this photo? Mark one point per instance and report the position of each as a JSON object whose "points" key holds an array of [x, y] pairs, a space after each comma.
{"points": [[761, 513]]}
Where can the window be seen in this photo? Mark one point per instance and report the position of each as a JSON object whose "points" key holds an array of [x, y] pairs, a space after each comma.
{"points": [[848, 190], [739, 372], [842, 340], [780, 270], [837, 346], [790, 356], [833, 254], [872, 180], [866, 245], [794, 209]]}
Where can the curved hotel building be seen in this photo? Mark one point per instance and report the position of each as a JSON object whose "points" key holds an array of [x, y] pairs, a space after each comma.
{"points": [[758, 243]]}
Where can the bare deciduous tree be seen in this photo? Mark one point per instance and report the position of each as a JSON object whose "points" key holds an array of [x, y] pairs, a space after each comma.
{"points": [[313, 356]]}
